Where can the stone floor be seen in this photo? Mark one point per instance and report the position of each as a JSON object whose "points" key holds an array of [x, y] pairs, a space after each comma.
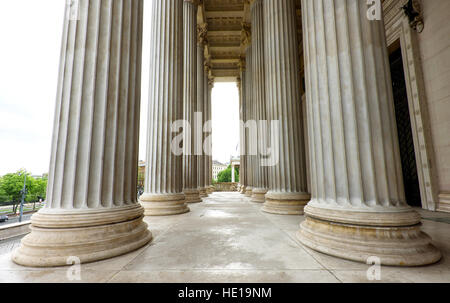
{"points": [[228, 239]]}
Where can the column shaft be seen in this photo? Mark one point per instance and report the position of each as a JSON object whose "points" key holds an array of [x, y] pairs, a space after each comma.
{"points": [[243, 138], [208, 161], [250, 127], [358, 207], [164, 180], [190, 169], [259, 99], [91, 209], [201, 159], [287, 177], [205, 130]]}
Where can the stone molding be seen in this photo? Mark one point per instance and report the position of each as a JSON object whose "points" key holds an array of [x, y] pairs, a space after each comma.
{"points": [[398, 29]]}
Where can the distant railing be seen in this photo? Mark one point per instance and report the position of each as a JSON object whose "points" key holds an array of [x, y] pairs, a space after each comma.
{"points": [[8, 208], [226, 186]]}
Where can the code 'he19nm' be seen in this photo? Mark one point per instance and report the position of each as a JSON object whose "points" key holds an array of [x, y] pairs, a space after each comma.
{"points": [[246, 293]]}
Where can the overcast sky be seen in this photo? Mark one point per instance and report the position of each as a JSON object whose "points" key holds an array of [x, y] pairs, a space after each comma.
{"points": [[30, 42]]}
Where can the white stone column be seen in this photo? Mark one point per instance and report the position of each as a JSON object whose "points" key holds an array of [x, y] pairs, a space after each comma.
{"points": [[206, 105], [249, 115], [91, 210], [190, 169], [209, 176], [243, 139], [287, 178], [243, 169], [164, 180], [233, 179], [358, 207], [201, 159], [259, 99]]}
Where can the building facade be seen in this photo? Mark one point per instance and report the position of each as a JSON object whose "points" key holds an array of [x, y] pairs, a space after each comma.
{"points": [[361, 93], [217, 168]]}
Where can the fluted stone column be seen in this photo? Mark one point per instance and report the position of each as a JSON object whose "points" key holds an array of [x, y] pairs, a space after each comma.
{"points": [[164, 180], [287, 178], [243, 138], [91, 210], [190, 169], [259, 99], [249, 115], [201, 159], [207, 133], [209, 176], [358, 207]]}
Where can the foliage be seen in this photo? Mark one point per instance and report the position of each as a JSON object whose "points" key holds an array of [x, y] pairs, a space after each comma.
{"points": [[11, 186], [225, 175], [3, 196]]}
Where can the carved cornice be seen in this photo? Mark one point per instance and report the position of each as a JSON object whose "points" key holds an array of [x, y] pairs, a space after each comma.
{"points": [[413, 10]]}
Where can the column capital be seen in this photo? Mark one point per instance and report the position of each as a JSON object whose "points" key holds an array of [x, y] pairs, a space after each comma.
{"points": [[207, 66], [242, 64], [246, 34], [210, 81], [193, 2], [202, 34], [251, 2]]}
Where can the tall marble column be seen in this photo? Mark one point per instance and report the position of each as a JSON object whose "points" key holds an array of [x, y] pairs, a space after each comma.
{"points": [[91, 210], [243, 138], [287, 177], [259, 99], [249, 115], [164, 180], [201, 159], [206, 131], [190, 169], [358, 207], [208, 110]]}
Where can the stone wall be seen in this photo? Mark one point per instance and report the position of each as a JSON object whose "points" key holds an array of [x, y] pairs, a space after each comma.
{"points": [[434, 43], [14, 230], [427, 71], [226, 187]]}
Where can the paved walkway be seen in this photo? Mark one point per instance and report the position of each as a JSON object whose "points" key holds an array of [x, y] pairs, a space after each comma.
{"points": [[228, 239]]}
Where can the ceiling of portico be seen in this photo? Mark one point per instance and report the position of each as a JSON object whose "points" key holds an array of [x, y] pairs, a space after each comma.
{"points": [[226, 20]]}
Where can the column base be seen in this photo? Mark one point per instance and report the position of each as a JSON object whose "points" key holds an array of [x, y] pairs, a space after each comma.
{"points": [[164, 204], [87, 235], [192, 196], [210, 189], [394, 246], [202, 192], [283, 203], [248, 191], [243, 189], [259, 195]]}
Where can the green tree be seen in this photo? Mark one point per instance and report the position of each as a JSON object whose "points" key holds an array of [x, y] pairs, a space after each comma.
{"points": [[3, 196], [225, 175], [38, 190], [11, 186]]}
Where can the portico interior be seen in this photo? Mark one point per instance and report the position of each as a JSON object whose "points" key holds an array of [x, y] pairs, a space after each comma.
{"points": [[320, 68]]}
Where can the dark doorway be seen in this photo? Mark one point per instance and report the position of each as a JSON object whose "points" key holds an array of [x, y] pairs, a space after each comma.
{"points": [[404, 129]]}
